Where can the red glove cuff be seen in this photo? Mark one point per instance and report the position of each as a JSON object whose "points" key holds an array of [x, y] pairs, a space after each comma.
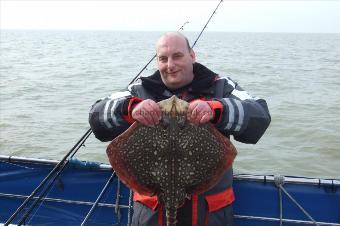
{"points": [[217, 108], [132, 103]]}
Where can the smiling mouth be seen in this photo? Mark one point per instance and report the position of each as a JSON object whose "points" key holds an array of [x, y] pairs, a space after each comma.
{"points": [[172, 73]]}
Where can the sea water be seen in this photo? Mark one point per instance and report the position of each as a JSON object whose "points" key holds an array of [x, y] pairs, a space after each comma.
{"points": [[50, 79]]}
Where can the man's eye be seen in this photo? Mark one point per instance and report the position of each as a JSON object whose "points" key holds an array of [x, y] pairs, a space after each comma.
{"points": [[162, 59], [178, 56]]}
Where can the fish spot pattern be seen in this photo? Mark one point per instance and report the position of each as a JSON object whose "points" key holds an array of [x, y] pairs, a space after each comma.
{"points": [[172, 160]]}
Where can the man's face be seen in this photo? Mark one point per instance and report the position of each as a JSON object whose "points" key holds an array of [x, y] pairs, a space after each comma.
{"points": [[175, 61]]}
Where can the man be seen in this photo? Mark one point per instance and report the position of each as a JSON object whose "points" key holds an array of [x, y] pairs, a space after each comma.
{"points": [[213, 99]]}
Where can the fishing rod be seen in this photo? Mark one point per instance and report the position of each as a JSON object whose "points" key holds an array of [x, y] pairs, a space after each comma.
{"points": [[198, 37], [205, 26], [62, 164], [71, 153], [57, 169]]}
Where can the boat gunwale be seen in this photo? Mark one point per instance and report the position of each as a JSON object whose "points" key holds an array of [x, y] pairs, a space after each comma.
{"points": [[238, 177], [66, 201]]}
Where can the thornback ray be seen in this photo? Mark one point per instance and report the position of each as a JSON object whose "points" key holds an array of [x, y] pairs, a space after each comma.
{"points": [[171, 160]]}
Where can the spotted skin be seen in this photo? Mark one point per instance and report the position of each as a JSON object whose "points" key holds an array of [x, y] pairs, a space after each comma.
{"points": [[171, 160]]}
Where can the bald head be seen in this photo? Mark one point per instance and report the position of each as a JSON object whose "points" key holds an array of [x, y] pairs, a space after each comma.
{"points": [[175, 59], [173, 35]]}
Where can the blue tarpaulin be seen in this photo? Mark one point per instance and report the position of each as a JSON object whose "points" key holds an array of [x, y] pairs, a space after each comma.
{"points": [[74, 192]]}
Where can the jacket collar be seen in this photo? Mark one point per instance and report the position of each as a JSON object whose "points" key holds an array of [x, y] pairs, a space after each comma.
{"points": [[203, 80]]}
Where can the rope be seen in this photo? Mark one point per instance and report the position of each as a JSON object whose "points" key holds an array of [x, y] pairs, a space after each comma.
{"points": [[66, 201], [279, 181], [281, 208], [130, 208], [284, 220], [117, 209], [98, 199]]}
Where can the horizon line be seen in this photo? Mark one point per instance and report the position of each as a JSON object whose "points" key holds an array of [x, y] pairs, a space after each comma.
{"points": [[191, 31]]}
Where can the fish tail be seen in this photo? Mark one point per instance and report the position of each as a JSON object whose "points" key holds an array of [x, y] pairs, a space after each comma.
{"points": [[171, 216]]}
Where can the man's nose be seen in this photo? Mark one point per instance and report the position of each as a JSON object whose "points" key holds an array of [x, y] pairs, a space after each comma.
{"points": [[171, 64]]}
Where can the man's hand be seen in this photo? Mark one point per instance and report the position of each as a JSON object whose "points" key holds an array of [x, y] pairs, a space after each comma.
{"points": [[199, 112], [147, 113]]}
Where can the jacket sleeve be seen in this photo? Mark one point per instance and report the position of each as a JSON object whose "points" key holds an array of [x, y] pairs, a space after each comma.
{"points": [[243, 116], [106, 116]]}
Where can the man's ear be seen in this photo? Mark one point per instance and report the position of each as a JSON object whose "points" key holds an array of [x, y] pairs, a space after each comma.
{"points": [[193, 55]]}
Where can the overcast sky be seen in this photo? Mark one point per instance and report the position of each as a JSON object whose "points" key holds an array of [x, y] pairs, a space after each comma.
{"points": [[160, 15]]}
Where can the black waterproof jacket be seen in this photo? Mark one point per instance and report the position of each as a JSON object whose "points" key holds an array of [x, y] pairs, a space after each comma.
{"points": [[243, 116]]}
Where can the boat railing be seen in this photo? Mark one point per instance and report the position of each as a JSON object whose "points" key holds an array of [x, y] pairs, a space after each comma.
{"points": [[250, 177], [279, 181]]}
